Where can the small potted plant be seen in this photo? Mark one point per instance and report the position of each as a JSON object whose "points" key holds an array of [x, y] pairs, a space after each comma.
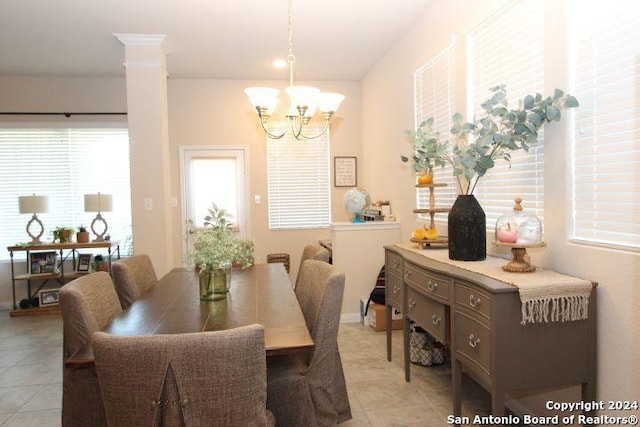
{"points": [[99, 263], [62, 234], [82, 236]]}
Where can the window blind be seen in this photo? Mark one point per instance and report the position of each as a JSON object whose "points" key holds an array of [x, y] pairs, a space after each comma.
{"points": [[433, 84], [606, 152], [519, 64], [298, 175], [63, 164]]}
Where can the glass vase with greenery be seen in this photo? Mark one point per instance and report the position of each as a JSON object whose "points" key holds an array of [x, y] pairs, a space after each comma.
{"points": [[215, 249]]}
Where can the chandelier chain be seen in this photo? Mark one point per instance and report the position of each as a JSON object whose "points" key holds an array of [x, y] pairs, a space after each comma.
{"points": [[290, 57]]}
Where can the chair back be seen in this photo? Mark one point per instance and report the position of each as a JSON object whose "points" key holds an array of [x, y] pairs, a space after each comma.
{"points": [[87, 304], [133, 276], [313, 391], [198, 379], [319, 292], [312, 252]]}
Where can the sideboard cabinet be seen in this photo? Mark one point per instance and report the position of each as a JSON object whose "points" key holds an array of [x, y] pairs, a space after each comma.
{"points": [[479, 319]]}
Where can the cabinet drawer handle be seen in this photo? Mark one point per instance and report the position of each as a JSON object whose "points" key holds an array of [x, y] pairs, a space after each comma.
{"points": [[432, 286], [395, 263], [474, 301], [395, 289], [407, 274], [436, 319], [412, 303], [473, 341]]}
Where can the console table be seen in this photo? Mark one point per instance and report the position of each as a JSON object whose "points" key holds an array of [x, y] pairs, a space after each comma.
{"points": [[65, 250], [480, 319]]}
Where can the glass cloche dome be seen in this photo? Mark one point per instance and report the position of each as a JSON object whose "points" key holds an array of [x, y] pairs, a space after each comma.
{"points": [[518, 227]]}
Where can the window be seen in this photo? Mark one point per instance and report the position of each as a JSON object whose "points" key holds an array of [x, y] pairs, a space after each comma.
{"points": [[606, 152], [298, 174], [63, 164], [434, 98], [519, 65]]}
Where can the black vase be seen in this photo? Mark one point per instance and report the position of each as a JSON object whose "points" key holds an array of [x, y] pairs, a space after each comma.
{"points": [[467, 230]]}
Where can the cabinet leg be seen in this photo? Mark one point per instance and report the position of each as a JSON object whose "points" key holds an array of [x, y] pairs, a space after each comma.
{"points": [[497, 401], [405, 346], [589, 395], [456, 383], [388, 314]]}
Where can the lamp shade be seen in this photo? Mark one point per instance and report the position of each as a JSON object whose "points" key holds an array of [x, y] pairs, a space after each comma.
{"points": [[303, 96], [33, 204], [264, 97], [98, 202], [329, 101]]}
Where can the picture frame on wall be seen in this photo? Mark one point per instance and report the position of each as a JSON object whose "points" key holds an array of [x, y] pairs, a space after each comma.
{"points": [[345, 171], [49, 297], [84, 263], [42, 263]]}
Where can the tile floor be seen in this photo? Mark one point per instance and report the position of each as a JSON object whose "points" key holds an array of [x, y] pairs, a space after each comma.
{"points": [[31, 378]]}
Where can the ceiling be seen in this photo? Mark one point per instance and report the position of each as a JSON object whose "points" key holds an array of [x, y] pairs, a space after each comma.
{"points": [[221, 39]]}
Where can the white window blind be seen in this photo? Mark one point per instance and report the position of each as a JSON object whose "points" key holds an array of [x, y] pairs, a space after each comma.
{"points": [[606, 153], [298, 174], [64, 164], [433, 84], [519, 65]]}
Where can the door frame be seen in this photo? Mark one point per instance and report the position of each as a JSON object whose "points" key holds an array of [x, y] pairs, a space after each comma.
{"points": [[184, 151]]}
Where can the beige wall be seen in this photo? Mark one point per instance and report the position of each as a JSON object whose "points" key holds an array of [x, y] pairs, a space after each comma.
{"points": [[387, 92], [201, 112], [217, 112]]}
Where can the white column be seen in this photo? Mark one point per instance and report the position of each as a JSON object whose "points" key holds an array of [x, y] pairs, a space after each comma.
{"points": [[146, 76]]}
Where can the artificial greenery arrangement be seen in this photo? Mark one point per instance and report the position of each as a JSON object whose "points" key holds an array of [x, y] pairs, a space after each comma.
{"points": [[499, 131], [62, 234], [216, 246]]}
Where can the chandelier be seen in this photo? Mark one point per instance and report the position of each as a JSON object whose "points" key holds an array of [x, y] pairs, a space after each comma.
{"points": [[303, 101]]}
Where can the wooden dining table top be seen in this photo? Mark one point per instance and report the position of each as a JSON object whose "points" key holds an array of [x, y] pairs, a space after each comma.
{"points": [[259, 294]]}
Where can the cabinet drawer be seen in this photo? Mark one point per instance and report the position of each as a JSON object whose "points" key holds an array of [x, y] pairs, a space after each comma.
{"points": [[394, 290], [472, 340], [429, 314], [473, 299], [431, 283], [394, 263]]}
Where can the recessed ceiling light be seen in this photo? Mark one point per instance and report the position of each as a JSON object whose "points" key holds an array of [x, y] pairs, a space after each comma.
{"points": [[279, 63]]}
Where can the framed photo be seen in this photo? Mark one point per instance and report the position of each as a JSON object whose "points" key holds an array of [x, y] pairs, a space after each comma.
{"points": [[345, 171], [84, 263], [49, 297], [42, 263]]}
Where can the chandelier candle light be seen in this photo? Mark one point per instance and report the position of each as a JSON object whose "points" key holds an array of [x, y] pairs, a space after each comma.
{"points": [[304, 100], [34, 205], [98, 203]]}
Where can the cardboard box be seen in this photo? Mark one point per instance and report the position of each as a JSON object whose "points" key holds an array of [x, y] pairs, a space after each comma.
{"points": [[377, 315]]}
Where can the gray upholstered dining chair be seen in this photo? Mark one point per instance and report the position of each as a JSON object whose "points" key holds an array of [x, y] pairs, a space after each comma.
{"points": [[87, 304], [199, 379], [305, 390], [133, 276], [312, 252]]}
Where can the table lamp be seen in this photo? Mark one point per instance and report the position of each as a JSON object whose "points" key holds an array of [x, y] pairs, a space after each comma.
{"points": [[98, 203], [34, 205]]}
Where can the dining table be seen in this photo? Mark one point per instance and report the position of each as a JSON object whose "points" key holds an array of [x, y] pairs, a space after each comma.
{"points": [[260, 294]]}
